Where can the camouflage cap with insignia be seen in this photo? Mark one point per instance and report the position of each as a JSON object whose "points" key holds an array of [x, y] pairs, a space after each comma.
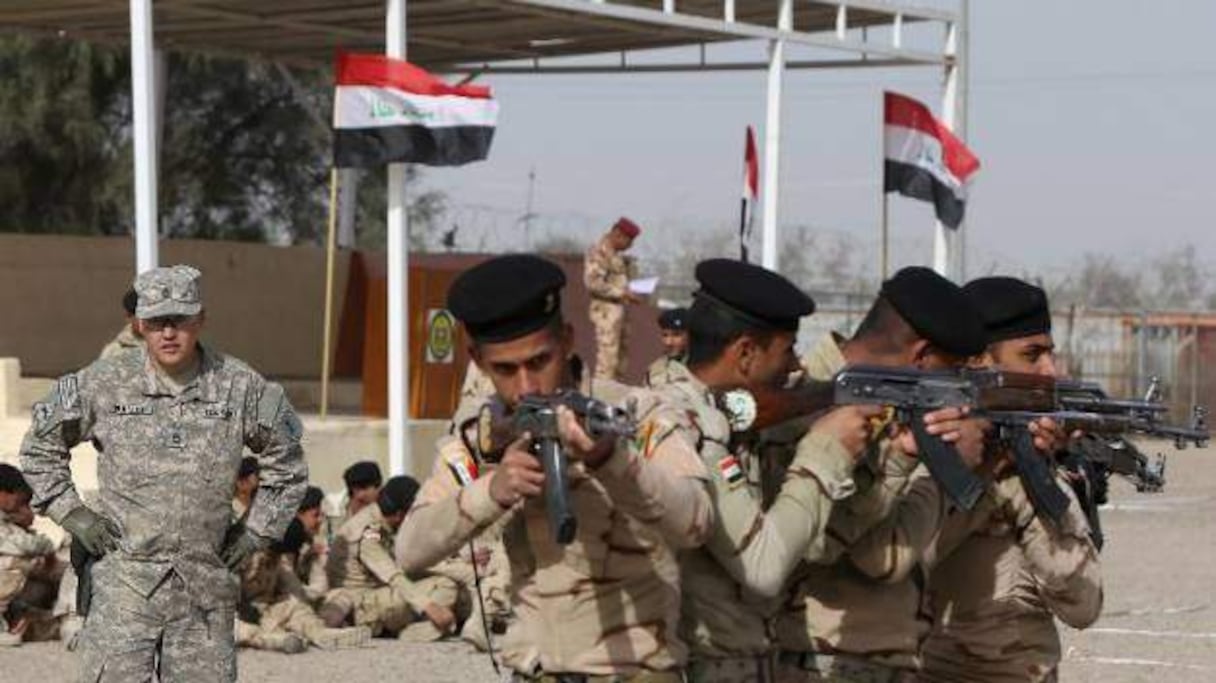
{"points": [[172, 290]]}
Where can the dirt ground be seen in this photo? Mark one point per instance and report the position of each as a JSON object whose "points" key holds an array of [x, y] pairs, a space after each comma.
{"points": [[1159, 623]]}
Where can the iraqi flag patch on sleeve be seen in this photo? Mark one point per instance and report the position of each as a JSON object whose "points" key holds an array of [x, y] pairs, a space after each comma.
{"points": [[730, 470], [463, 468]]}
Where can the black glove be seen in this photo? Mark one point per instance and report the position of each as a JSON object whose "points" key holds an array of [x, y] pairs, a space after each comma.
{"points": [[97, 534], [238, 547]]}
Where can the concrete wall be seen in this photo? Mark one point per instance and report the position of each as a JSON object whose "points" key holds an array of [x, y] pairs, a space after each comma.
{"points": [[61, 299]]}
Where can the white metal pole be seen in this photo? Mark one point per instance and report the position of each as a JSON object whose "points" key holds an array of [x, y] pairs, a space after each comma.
{"points": [[946, 243], [143, 104], [772, 140], [399, 461], [962, 61]]}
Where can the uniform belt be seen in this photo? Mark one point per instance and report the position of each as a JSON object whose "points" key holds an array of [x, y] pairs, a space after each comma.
{"points": [[845, 667], [643, 677], [759, 665], [607, 299]]}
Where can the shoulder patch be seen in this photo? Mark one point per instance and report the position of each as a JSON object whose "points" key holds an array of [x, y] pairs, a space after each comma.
{"points": [[69, 392], [730, 471], [462, 467], [42, 415]]}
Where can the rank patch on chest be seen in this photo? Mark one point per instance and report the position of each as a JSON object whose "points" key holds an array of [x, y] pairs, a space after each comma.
{"points": [[217, 412], [730, 469], [132, 409]]}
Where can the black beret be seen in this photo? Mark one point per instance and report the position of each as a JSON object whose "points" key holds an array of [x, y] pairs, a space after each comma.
{"points": [[937, 309], [754, 295], [12, 481], [507, 297], [312, 498], [248, 467], [9, 477], [293, 539], [674, 319], [1009, 307], [398, 494], [362, 473]]}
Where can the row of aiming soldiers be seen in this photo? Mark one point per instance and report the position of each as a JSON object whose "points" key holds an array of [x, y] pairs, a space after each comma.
{"points": [[818, 549]]}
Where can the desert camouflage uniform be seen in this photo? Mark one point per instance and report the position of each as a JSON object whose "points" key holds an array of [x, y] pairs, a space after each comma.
{"points": [[474, 392], [858, 615], [729, 584], [167, 466], [270, 587], [1003, 574], [666, 370], [608, 603], [366, 582], [309, 567], [29, 576], [606, 274], [125, 339]]}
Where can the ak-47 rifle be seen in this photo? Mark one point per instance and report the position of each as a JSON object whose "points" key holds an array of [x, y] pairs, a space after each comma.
{"points": [[537, 415], [1010, 401], [1090, 462]]}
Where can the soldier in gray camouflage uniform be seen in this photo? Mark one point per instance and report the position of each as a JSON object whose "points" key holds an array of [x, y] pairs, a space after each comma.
{"points": [[169, 422]]}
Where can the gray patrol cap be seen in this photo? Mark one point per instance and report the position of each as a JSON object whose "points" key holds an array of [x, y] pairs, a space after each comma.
{"points": [[172, 290]]}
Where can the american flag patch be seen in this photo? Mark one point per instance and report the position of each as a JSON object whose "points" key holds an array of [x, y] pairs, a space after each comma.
{"points": [[730, 469], [463, 468]]}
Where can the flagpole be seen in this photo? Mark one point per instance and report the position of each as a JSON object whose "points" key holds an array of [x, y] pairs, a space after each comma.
{"points": [[743, 229], [399, 457], [330, 248], [886, 235]]}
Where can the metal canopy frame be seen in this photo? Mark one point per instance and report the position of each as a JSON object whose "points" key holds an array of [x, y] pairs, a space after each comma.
{"points": [[496, 36]]}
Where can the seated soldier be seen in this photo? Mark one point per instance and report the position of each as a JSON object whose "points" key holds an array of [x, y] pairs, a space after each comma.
{"points": [[274, 612], [246, 487], [29, 569], [307, 558], [363, 481], [367, 586]]}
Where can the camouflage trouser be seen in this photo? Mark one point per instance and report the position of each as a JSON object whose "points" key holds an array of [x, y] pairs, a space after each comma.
{"points": [[126, 634], [12, 582], [732, 670], [385, 609], [290, 614], [811, 667], [609, 321], [26, 597]]}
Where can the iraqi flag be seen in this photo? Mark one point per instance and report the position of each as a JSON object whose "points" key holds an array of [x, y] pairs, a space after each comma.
{"points": [[387, 110], [923, 158]]}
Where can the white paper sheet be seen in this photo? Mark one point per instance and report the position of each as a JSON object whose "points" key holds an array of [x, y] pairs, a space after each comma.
{"points": [[644, 285]]}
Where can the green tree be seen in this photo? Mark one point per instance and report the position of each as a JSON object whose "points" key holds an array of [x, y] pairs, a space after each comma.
{"points": [[245, 149], [64, 161]]}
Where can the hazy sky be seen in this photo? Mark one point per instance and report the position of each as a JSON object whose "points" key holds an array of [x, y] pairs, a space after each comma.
{"points": [[1092, 121]]}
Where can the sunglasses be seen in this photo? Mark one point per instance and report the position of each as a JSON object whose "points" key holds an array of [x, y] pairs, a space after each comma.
{"points": [[177, 322]]}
